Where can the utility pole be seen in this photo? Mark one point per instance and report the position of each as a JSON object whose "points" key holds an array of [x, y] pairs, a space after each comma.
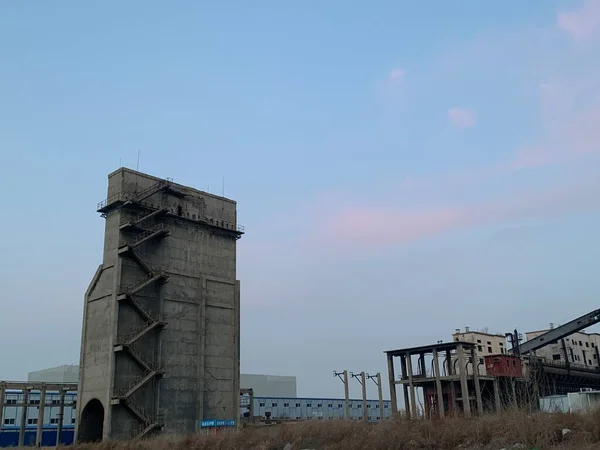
{"points": [[377, 380], [344, 374], [363, 381]]}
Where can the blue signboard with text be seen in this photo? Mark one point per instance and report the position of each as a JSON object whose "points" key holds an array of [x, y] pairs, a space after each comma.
{"points": [[213, 423]]}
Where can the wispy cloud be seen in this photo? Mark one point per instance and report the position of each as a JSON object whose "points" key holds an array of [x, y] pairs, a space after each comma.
{"points": [[461, 117], [583, 22], [528, 157], [396, 75]]}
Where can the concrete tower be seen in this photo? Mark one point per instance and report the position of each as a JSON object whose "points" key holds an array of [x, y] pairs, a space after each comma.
{"points": [[161, 321]]}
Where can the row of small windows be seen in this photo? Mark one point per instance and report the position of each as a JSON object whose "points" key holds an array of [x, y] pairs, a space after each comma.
{"points": [[490, 342], [319, 405], [587, 344], [34, 421], [489, 349], [14, 401], [558, 357]]}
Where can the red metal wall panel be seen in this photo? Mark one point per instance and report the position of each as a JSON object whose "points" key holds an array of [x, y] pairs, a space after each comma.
{"points": [[503, 366]]}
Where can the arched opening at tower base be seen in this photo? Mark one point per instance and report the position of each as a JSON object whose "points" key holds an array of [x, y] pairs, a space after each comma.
{"points": [[91, 425]]}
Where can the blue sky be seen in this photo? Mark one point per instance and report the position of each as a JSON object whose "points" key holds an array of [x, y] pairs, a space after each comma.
{"points": [[402, 168]]}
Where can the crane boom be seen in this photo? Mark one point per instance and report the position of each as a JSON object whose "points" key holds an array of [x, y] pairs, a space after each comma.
{"points": [[560, 332]]}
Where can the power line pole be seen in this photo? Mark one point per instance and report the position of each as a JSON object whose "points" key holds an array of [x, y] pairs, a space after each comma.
{"points": [[377, 380], [363, 381], [344, 374]]}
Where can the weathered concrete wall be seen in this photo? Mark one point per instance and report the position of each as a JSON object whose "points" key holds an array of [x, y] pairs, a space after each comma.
{"points": [[199, 348], [95, 375]]}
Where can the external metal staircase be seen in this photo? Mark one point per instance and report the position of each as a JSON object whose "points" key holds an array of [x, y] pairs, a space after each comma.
{"points": [[123, 199], [139, 231]]}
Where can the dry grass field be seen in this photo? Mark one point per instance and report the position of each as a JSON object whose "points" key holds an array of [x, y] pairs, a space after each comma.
{"points": [[510, 430]]}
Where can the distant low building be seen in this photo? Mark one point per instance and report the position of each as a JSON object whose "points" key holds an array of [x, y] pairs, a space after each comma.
{"points": [[585, 401], [269, 385], [278, 408], [59, 374], [262, 385]]}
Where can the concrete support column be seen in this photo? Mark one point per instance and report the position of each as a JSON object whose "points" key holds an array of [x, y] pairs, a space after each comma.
{"points": [[438, 384], [380, 394], [2, 401], [405, 386], [347, 394], [514, 393], [251, 394], [23, 417], [497, 402], [61, 414], [422, 364], [413, 396], [450, 372], [462, 373], [363, 381], [453, 397], [392, 381], [476, 381], [40, 424]]}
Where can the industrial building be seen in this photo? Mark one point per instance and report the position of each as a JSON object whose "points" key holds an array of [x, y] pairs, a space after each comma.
{"points": [[281, 408], [579, 349], [37, 414], [262, 385], [485, 344], [160, 335], [450, 377], [453, 377]]}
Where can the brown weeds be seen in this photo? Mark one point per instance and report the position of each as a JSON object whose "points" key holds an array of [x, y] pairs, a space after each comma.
{"points": [[531, 431]]}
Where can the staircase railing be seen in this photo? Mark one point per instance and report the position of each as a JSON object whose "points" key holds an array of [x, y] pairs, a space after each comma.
{"points": [[148, 232]]}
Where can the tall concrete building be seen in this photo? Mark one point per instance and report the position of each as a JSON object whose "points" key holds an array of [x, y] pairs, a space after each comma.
{"points": [[161, 321]]}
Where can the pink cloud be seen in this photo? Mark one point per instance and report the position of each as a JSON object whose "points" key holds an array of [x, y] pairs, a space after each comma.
{"points": [[366, 226], [583, 22], [461, 117], [370, 225]]}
